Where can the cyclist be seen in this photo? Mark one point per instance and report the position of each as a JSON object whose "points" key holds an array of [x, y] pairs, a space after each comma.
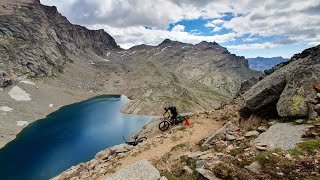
{"points": [[172, 113]]}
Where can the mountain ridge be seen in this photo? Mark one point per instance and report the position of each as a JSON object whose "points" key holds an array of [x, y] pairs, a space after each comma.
{"points": [[55, 47], [66, 60]]}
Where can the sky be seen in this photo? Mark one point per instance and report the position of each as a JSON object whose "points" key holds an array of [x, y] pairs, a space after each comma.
{"points": [[249, 28]]}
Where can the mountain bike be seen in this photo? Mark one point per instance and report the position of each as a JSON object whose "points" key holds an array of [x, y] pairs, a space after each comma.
{"points": [[165, 123], [136, 141]]}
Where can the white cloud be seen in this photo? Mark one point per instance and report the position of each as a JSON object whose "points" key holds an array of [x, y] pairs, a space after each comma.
{"points": [[214, 23], [314, 43], [178, 28], [253, 46], [127, 37], [216, 29], [125, 20], [249, 39]]}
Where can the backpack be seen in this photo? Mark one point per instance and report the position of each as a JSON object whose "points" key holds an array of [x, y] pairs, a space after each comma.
{"points": [[173, 109]]}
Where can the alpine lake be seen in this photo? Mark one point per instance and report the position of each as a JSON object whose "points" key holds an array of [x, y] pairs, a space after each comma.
{"points": [[73, 134]]}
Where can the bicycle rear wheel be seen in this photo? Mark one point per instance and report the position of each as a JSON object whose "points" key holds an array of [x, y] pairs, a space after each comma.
{"points": [[140, 140], [164, 125]]}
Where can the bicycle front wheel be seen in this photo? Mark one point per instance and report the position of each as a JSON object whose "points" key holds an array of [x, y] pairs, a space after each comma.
{"points": [[164, 125]]}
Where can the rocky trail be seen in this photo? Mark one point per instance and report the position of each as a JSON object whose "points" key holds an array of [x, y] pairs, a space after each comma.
{"points": [[234, 151]]}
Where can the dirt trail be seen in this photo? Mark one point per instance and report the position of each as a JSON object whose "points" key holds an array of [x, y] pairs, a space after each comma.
{"points": [[201, 127]]}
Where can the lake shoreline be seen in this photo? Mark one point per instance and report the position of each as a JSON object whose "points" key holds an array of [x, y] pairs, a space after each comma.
{"points": [[45, 100], [96, 123]]}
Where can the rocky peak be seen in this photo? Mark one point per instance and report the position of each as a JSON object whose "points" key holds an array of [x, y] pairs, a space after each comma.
{"points": [[206, 43], [168, 42]]}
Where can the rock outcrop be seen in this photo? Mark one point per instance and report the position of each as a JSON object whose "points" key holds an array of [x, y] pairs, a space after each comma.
{"points": [[288, 91]]}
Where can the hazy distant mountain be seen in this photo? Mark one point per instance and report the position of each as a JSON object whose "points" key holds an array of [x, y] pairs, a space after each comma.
{"points": [[261, 63]]}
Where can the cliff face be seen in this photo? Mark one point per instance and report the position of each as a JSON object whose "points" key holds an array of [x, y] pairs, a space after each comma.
{"points": [[37, 40]]}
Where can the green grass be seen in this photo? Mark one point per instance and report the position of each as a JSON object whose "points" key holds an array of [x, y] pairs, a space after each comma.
{"points": [[237, 150], [266, 157], [181, 128], [178, 146], [309, 146]]}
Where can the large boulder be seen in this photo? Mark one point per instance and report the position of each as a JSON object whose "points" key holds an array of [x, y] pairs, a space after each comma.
{"points": [[288, 91], [141, 170], [282, 135]]}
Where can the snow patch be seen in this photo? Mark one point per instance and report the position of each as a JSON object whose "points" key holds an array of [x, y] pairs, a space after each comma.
{"points": [[6, 109], [108, 54], [162, 50], [22, 123], [18, 94], [27, 82], [131, 53], [50, 105]]}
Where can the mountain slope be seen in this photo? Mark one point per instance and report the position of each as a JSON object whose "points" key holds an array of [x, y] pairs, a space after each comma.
{"points": [[36, 41]]}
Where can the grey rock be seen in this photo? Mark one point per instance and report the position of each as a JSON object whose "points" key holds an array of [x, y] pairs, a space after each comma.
{"points": [[220, 154], [201, 163], [216, 135], [287, 90], [207, 174], [163, 178], [318, 95], [1, 89], [317, 108], [251, 133], [312, 111], [230, 137], [262, 128], [195, 154], [261, 148], [282, 135], [299, 121], [121, 148], [141, 170], [254, 167]]}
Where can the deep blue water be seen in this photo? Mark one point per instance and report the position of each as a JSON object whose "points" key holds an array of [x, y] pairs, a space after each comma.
{"points": [[71, 135]]}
